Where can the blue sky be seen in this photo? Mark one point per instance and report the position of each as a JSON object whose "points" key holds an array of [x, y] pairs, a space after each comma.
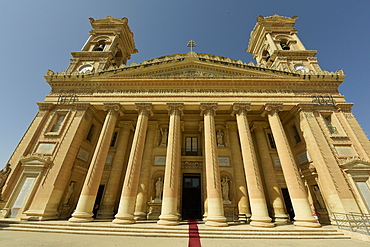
{"points": [[39, 35]]}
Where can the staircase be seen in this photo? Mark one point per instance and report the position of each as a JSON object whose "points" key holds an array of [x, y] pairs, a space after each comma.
{"points": [[151, 229]]}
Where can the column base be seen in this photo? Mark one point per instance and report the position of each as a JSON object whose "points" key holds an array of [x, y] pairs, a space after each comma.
{"points": [[140, 216], [168, 220], [307, 224], [81, 217], [261, 224], [124, 219], [216, 221], [80, 220]]}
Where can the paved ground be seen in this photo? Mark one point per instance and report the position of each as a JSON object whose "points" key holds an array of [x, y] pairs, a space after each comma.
{"points": [[33, 239]]}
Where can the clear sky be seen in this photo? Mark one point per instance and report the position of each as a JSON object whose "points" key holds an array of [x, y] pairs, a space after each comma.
{"points": [[39, 35]]}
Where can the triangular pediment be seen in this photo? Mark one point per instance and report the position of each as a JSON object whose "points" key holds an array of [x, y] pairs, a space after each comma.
{"points": [[184, 66]]}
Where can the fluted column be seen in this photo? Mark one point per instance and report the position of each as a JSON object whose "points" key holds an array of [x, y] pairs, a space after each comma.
{"points": [[126, 208], [260, 216], [107, 208], [83, 212], [169, 215], [146, 168], [268, 169], [215, 214], [297, 192], [239, 177]]}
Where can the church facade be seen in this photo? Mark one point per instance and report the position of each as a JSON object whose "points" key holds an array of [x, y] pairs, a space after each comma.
{"points": [[191, 136]]}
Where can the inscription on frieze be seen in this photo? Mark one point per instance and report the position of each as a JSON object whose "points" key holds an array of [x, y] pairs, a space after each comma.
{"points": [[66, 99], [323, 99]]}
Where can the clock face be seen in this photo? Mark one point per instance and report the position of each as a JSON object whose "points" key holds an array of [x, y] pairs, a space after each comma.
{"points": [[300, 67], [84, 68]]}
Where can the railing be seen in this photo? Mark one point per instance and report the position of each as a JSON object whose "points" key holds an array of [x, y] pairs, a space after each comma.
{"points": [[354, 222]]}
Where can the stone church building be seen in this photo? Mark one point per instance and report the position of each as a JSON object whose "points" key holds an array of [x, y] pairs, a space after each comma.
{"points": [[191, 136]]}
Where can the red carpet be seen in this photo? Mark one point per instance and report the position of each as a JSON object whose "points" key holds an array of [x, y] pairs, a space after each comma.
{"points": [[194, 239]]}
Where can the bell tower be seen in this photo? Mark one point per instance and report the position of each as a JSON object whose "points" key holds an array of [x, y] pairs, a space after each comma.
{"points": [[110, 45], [274, 43]]}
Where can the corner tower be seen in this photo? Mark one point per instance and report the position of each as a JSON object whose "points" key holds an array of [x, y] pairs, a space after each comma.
{"points": [[274, 43], [110, 44]]}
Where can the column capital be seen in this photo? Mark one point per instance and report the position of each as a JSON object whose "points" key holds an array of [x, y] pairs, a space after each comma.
{"points": [[113, 107], [208, 108], [271, 108], [144, 108], [126, 124], [241, 107], [175, 108], [259, 125]]}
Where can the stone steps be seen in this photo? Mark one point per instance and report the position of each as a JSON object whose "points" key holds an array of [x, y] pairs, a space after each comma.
{"points": [[181, 231]]}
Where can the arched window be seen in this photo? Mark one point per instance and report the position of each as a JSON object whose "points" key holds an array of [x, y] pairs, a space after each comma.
{"points": [[100, 46]]}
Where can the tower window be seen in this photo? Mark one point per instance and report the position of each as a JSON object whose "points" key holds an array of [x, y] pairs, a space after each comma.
{"points": [[100, 46], [114, 139], [90, 133], [271, 140], [328, 122], [284, 45], [296, 136], [58, 123], [266, 55]]}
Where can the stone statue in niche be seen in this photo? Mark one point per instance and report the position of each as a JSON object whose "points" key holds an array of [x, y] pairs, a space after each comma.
{"points": [[220, 138], [158, 190], [164, 133], [69, 193], [225, 190], [4, 173]]}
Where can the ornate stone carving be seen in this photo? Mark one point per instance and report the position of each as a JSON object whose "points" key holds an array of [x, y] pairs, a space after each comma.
{"points": [[4, 173], [208, 109], [114, 108], [271, 108], [241, 107], [144, 108], [225, 190]]}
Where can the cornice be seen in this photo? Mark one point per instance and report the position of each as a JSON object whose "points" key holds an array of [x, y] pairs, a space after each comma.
{"points": [[167, 66]]}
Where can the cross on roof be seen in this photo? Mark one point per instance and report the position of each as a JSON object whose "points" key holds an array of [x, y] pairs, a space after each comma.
{"points": [[191, 44]]}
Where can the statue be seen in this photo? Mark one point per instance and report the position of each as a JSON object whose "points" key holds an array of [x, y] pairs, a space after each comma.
{"points": [[69, 193], [220, 138], [225, 190], [158, 190], [164, 133], [4, 173]]}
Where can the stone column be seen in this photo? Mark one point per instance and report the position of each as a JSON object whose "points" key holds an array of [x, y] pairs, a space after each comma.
{"points": [[169, 215], [260, 216], [83, 212], [142, 194], [107, 208], [126, 208], [297, 192], [215, 214], [239, 177], [268, 169]]}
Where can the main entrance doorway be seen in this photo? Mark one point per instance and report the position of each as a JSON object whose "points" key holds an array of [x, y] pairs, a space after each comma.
{"points": [[191, 197]]}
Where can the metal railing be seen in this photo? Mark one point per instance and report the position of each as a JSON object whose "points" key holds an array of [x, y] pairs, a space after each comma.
{"points": [[354, 222]]}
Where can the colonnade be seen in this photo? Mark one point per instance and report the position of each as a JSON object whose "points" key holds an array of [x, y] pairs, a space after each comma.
{"points": [[254, 188]]}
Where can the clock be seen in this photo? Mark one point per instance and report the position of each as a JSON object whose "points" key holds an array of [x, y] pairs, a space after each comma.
{"points": [[85, 68], [300, 67]]}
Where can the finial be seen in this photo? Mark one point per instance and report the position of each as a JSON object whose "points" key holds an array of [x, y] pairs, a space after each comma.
{"points": [[191, 44]]}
